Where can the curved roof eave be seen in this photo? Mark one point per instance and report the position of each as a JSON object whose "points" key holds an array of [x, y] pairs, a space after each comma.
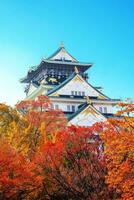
{"points": [[68, 63]]}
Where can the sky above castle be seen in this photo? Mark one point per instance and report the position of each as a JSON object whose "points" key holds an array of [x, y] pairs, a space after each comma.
{"points": [[101, 32]]}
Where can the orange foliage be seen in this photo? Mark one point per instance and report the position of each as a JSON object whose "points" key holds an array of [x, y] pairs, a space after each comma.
{"points": [[17, 175], [118, 136], [25, 130], [42, 117], [73, 167], [42, 158]]}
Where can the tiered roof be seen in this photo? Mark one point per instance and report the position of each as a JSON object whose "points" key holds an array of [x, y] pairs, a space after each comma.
{"points": [[61, 57], [55, 92], [77, 76], [66, 89]]}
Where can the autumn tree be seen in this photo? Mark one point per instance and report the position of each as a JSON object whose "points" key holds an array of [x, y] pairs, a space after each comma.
{"points": [[41, 158], [73, 166], [30, 123], [118, 137], [38, 147], [44, 122], [17, 175], [13, 128]]}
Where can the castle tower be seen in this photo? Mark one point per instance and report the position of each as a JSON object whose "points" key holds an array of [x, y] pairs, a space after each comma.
{"points": [[54, 69], [64, 80]]}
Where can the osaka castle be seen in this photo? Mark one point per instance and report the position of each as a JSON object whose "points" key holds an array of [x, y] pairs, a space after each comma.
{"points": [[64, 80]]}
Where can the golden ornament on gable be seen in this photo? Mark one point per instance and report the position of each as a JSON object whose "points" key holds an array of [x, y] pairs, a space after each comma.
{"points": [[101, 97]]}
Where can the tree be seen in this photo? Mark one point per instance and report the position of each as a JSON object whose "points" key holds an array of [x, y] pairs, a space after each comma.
{"points": [[17, 175], [73, 166], [41, 158], [13, 128], [38, 147], [118, 137], [42, 119], [26, 127]]}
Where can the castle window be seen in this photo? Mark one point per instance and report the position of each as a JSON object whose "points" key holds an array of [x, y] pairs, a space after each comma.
{"points": [[79, 93], [75, 93], [56, 106], [73, 108], [83, 93], [105, 109], [68, 107], [63, 58], [72, 92], [100, 109]]}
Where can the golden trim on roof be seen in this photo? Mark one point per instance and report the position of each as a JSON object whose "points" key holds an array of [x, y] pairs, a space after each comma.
{"points": [[89, 110], [77, 78], [101, 97], [76, 70], [55, 94], [88, 100]]}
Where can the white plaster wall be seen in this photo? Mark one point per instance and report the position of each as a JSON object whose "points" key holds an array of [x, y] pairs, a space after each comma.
{"points": [[63, 105], [109, 107], [31, 89]]}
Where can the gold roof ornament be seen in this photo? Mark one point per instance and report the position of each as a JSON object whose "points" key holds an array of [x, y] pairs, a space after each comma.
{"points": [[76, 70], [100, 97], [88, 100], [62, 44]]}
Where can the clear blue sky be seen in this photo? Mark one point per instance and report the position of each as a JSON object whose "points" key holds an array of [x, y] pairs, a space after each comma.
{"points": [[98, 31]]}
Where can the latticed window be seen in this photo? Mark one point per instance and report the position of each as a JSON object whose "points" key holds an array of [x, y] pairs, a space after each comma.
{"points": [[68, 107], [83, 93], [56, 106], [72, 92], [79, 93], [100, 109], [73, 108], [105, 109]]}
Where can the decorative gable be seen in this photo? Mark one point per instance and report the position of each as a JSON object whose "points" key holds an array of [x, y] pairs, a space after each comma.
{"points": [[62, 54], [77, 86], [86, 117]]}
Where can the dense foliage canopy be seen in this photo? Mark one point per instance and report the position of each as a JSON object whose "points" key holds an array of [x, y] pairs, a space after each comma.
{"points": [[42, 158]]}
